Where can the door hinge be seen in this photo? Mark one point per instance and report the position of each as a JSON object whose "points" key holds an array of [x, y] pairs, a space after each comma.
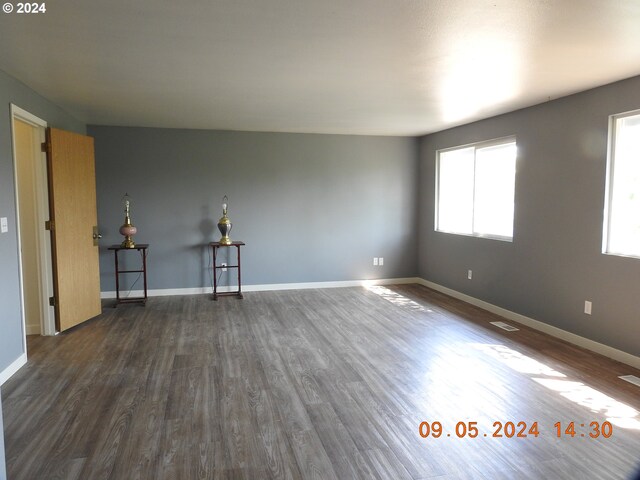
{"points": [[43, 147], [49, 225], [52, 301]]}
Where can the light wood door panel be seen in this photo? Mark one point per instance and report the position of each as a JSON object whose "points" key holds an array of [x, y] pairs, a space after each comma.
{"points": [[26, 158], [72, 197]]}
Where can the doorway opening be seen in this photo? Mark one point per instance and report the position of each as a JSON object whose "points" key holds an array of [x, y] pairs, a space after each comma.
{"points": [[34, 241]]}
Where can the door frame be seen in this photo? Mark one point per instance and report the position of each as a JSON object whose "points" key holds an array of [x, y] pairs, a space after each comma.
{"points": [[43, 239]]}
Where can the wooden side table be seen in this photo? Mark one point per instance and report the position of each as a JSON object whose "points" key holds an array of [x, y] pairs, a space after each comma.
{"points": [[142, 248], [215, 246]]}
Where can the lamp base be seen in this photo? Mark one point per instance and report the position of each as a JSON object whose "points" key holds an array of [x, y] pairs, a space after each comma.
{"points": [[224, 225], [128, 242]]}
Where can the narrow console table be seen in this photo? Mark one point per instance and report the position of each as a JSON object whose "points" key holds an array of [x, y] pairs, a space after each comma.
{"points": [[142, 248], [215, 246]]}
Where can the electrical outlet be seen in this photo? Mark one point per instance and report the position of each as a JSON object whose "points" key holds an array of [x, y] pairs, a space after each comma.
{"points": [[224, 267], [375, 261], [381, 261], [587, 307], [469, 274], [4, 225]]}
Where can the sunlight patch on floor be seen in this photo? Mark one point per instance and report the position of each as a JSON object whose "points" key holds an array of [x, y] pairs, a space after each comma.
{"points": [[517, 360], [616, 412], [395, 297]]}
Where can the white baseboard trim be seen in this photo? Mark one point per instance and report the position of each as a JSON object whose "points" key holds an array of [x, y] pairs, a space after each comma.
{"points": [[13, 368], [265, 287], [583, 342]]}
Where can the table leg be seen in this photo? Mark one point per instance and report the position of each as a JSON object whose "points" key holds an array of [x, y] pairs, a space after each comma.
{"points": [[215, 279], [117, 280], [144, 273], [239, 275]]}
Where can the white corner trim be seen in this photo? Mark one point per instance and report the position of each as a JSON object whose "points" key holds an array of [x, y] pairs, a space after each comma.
{"points": [[266, 287], [583, 342], [13, 368]]}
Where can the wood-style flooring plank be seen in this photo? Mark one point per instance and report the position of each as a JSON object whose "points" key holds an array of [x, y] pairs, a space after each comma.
{"points": [[312, 384]]}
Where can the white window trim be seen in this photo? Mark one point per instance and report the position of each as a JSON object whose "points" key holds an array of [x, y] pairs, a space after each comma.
{"points": [[476, 145], [611, 146]]}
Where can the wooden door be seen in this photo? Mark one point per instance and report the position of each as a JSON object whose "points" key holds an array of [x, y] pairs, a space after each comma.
{"points": [[74, 219]]}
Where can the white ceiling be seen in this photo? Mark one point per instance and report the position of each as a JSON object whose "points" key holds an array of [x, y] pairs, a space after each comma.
{"points": [[380, 67]]}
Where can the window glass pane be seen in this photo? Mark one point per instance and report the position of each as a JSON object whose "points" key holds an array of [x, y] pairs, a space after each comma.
{"points": [[494, 190], [624, 207], [455, 191]]}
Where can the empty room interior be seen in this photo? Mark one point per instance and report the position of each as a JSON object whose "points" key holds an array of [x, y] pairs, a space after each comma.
{"points": [[320, 239]]}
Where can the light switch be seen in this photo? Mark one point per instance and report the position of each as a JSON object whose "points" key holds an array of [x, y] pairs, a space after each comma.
{"points": [[4, 225]]}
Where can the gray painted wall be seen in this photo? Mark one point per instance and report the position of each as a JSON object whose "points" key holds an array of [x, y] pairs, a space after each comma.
{"points": [[310, 208], [555, 262], [3, 469], [12, 91]]}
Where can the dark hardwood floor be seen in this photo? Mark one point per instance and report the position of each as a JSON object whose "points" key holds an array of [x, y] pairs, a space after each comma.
{"points": [[314, 384]]}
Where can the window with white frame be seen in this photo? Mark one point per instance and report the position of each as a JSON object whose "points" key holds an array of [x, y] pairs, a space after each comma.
{"points": [[475, 189], [622, 212]]}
